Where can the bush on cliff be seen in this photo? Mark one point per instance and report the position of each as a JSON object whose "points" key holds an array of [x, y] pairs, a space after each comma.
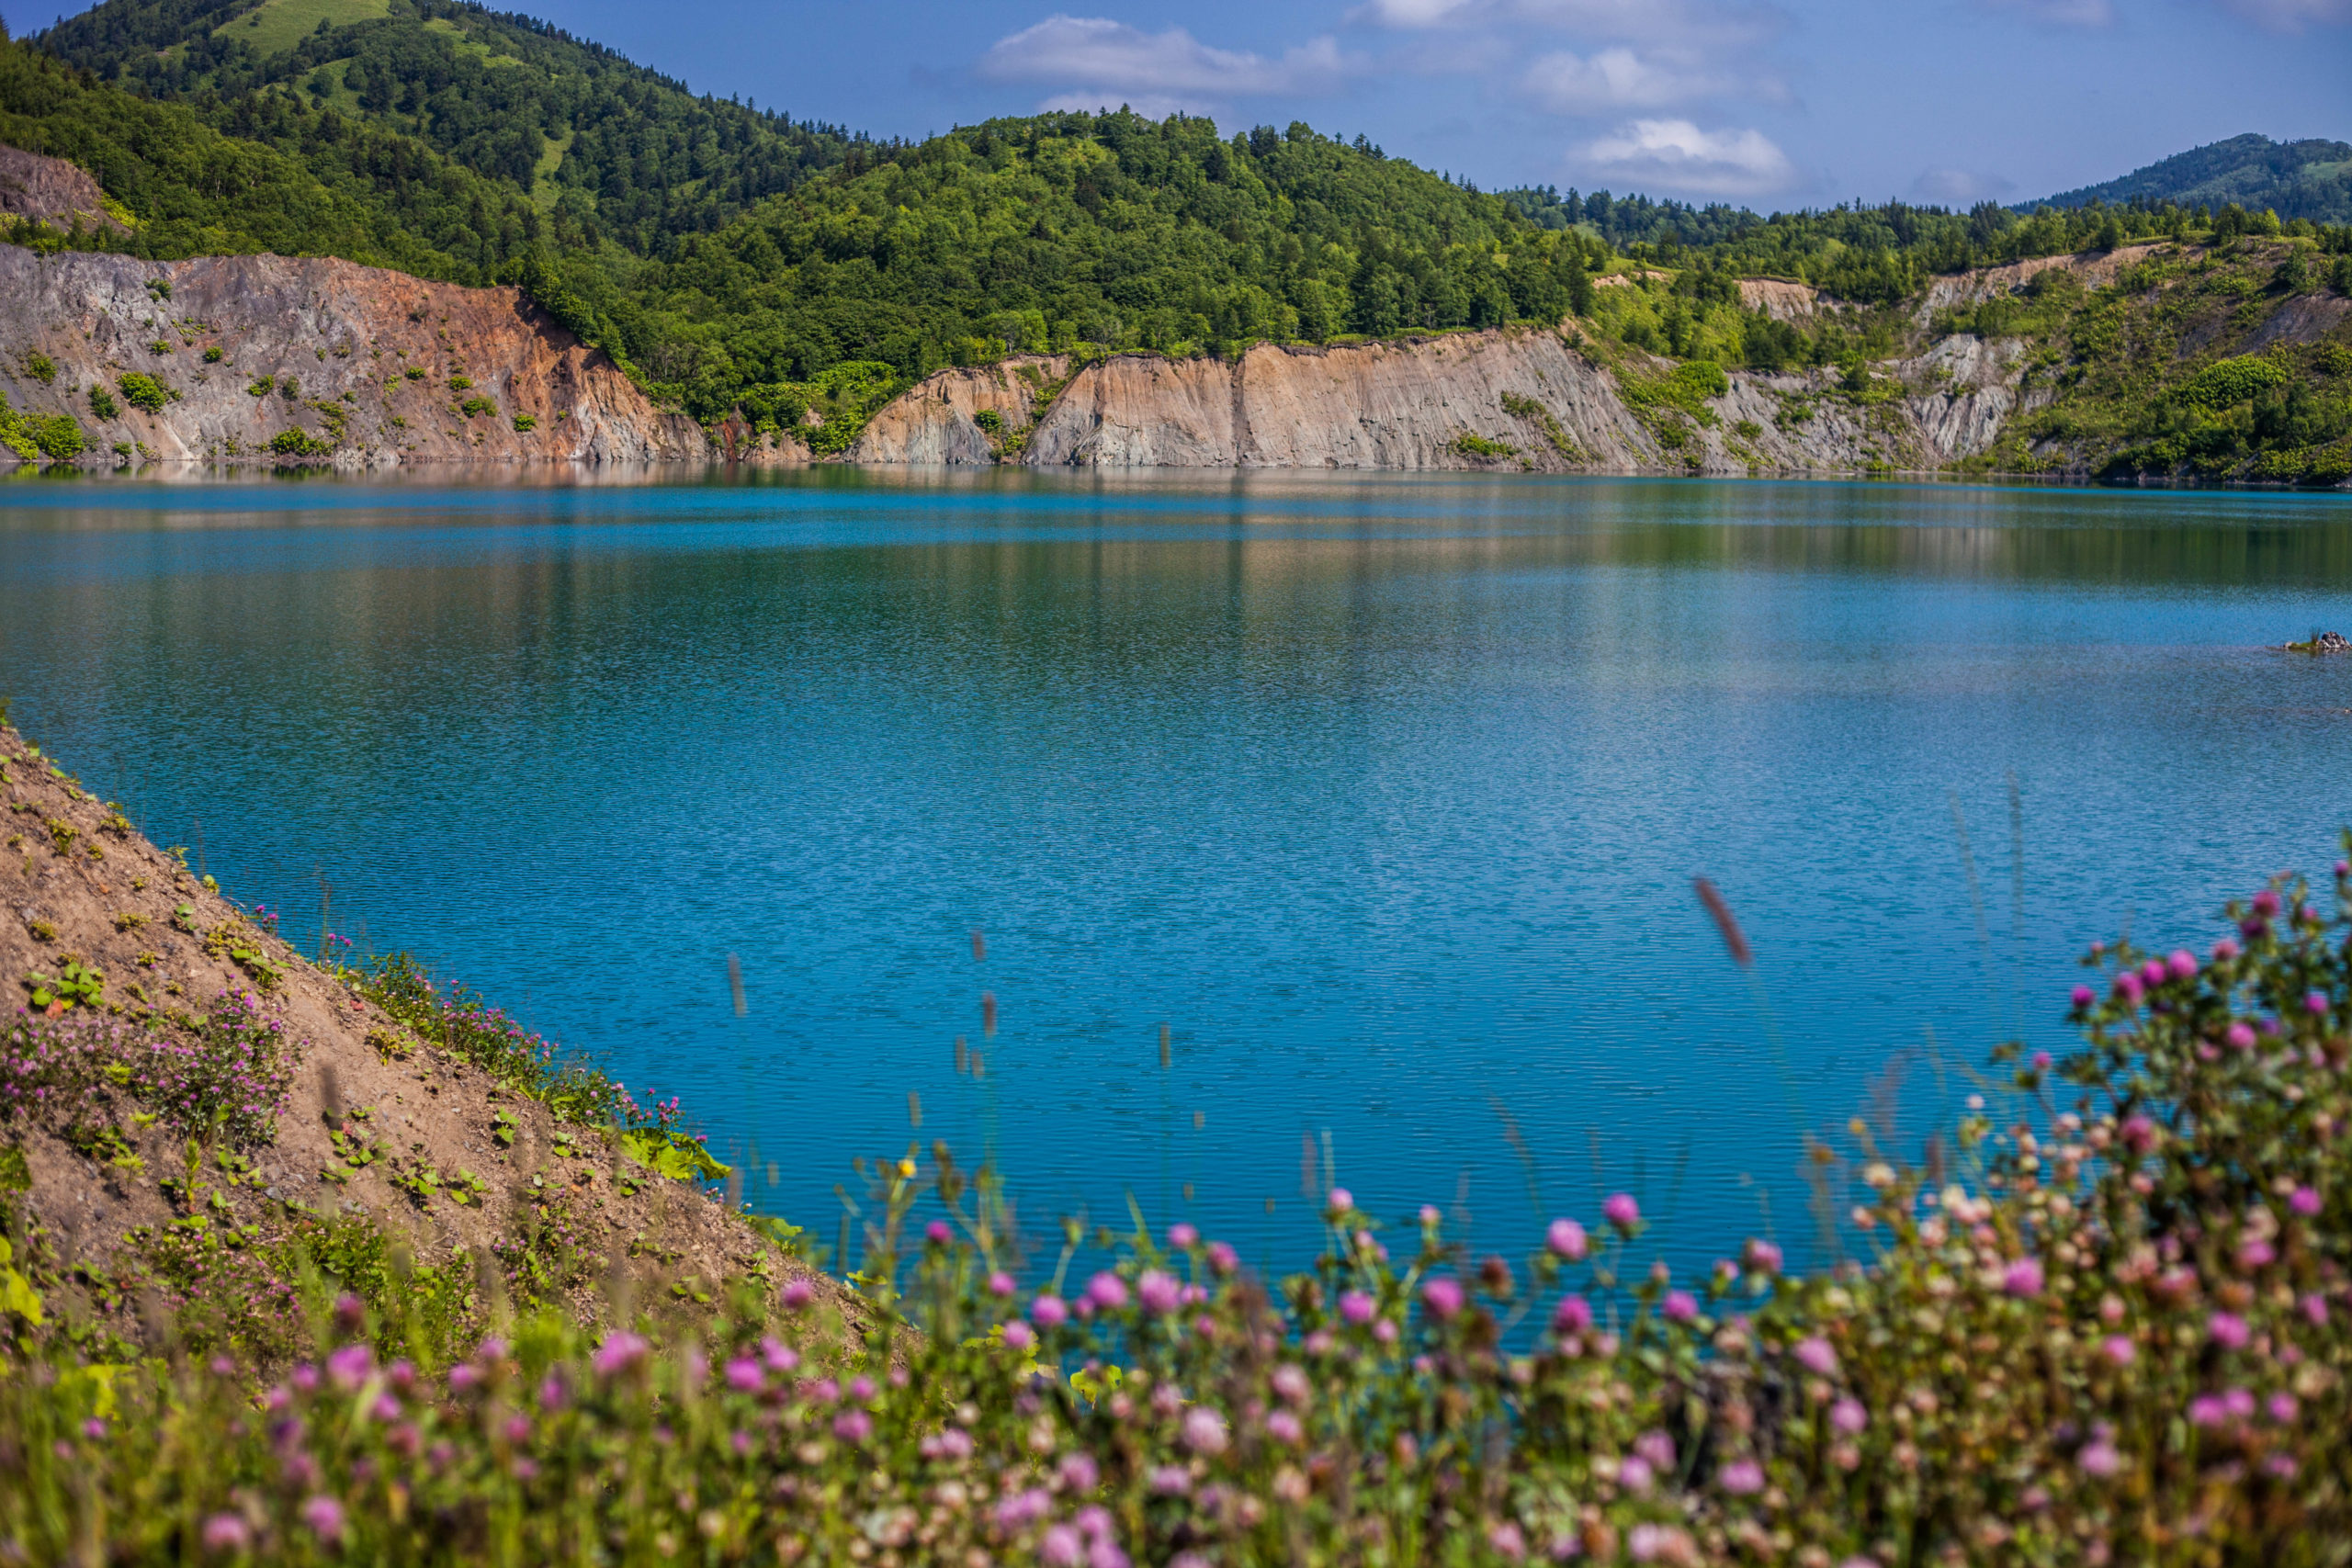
{"points": [[33, 437]]}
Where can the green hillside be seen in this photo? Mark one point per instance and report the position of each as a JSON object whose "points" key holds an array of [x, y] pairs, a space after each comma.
{"points": [[1109, 229], [607, 149], [297, 181], [2311, 180]]}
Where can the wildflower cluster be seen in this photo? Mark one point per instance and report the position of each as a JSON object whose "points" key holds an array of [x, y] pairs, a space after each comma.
{"points": [[230, 1074], [2111, 1328], [468, 1027], [226, 1073]]}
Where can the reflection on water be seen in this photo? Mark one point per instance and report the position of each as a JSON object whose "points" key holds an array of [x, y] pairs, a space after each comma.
{"points": [[1384, 792]]}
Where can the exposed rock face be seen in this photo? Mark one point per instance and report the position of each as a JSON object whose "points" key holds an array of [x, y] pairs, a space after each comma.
{"points": [[369, 357], [50, 190], [1377, 406], [1410, 405], [2302, 321], [2095, 268], [936, 420], [1783, 301], [1972, 389]]}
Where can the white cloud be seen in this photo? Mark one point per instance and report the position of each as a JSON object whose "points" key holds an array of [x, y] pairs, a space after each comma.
{"points": [[1676, 155], [1104, 62], [2065, 13], [1702, 24], [1960, 187], [1612, 79], [1618, 78], [1621, 54], [2291, 16], [1412, 13]]}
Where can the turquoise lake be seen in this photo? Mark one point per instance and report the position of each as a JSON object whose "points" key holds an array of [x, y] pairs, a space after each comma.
{"points": [[1383, 795]]}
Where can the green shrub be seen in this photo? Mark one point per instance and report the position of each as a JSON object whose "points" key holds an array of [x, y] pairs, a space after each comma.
{"points": [[472, 407], [2228, 383], [142, 392], [32, 436], [1471, 445], [296, 442], [40, 368], [212, 353], [102, 403], [523, 421], [264, 386]]}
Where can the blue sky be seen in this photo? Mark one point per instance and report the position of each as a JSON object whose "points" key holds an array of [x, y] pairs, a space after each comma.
{"points": [[1771, 103]]}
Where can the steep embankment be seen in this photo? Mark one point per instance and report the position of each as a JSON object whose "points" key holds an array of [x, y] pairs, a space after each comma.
{"points": [[276, 359], [382, 1127], [2170, 361], [1511, 399]]}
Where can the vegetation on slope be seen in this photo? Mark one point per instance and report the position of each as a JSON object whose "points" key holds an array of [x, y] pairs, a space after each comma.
{"points": [[609, 150], [2311, 180], [2189, 364], [1115, 230], [2106, 1321], [284, 178], [198, 1123]]}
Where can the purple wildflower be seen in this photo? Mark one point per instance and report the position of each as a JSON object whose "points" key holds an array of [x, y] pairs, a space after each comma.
{"points": [[324, 1515]]}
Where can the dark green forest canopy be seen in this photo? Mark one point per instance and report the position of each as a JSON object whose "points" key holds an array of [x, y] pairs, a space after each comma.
{"points": [[608, 150], [1113, 230], [299, 182]]}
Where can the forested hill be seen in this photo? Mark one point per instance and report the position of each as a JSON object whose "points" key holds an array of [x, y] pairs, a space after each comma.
{"points": [[2311, 180], [1115, 230], [297, 181], [604, 148]]}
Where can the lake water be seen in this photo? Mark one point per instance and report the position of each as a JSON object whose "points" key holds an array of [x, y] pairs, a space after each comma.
{"points": [[1383, 795]]}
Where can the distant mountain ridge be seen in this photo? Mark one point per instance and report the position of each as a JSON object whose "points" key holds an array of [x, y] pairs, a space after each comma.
{"points": [[2309, 179]]}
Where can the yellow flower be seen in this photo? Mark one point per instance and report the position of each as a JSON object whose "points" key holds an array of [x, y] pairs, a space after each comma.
{"points": [[906, 1168]]}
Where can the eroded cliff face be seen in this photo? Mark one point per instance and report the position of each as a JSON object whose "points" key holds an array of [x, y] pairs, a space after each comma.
{"points": [[937, 421], [364, 362], [1514, 398], [50, 190]]}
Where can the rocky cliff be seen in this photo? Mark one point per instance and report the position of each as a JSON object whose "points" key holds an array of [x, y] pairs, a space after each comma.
{"points": [[1514, 398], [364, 368], [947, 418]]}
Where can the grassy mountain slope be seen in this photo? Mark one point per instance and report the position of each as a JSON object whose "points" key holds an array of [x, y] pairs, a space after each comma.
{"points": [[2311, 180], [607, 149]]}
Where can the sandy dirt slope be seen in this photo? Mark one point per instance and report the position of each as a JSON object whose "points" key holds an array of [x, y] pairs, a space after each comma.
{"points": [[117, 910]]}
